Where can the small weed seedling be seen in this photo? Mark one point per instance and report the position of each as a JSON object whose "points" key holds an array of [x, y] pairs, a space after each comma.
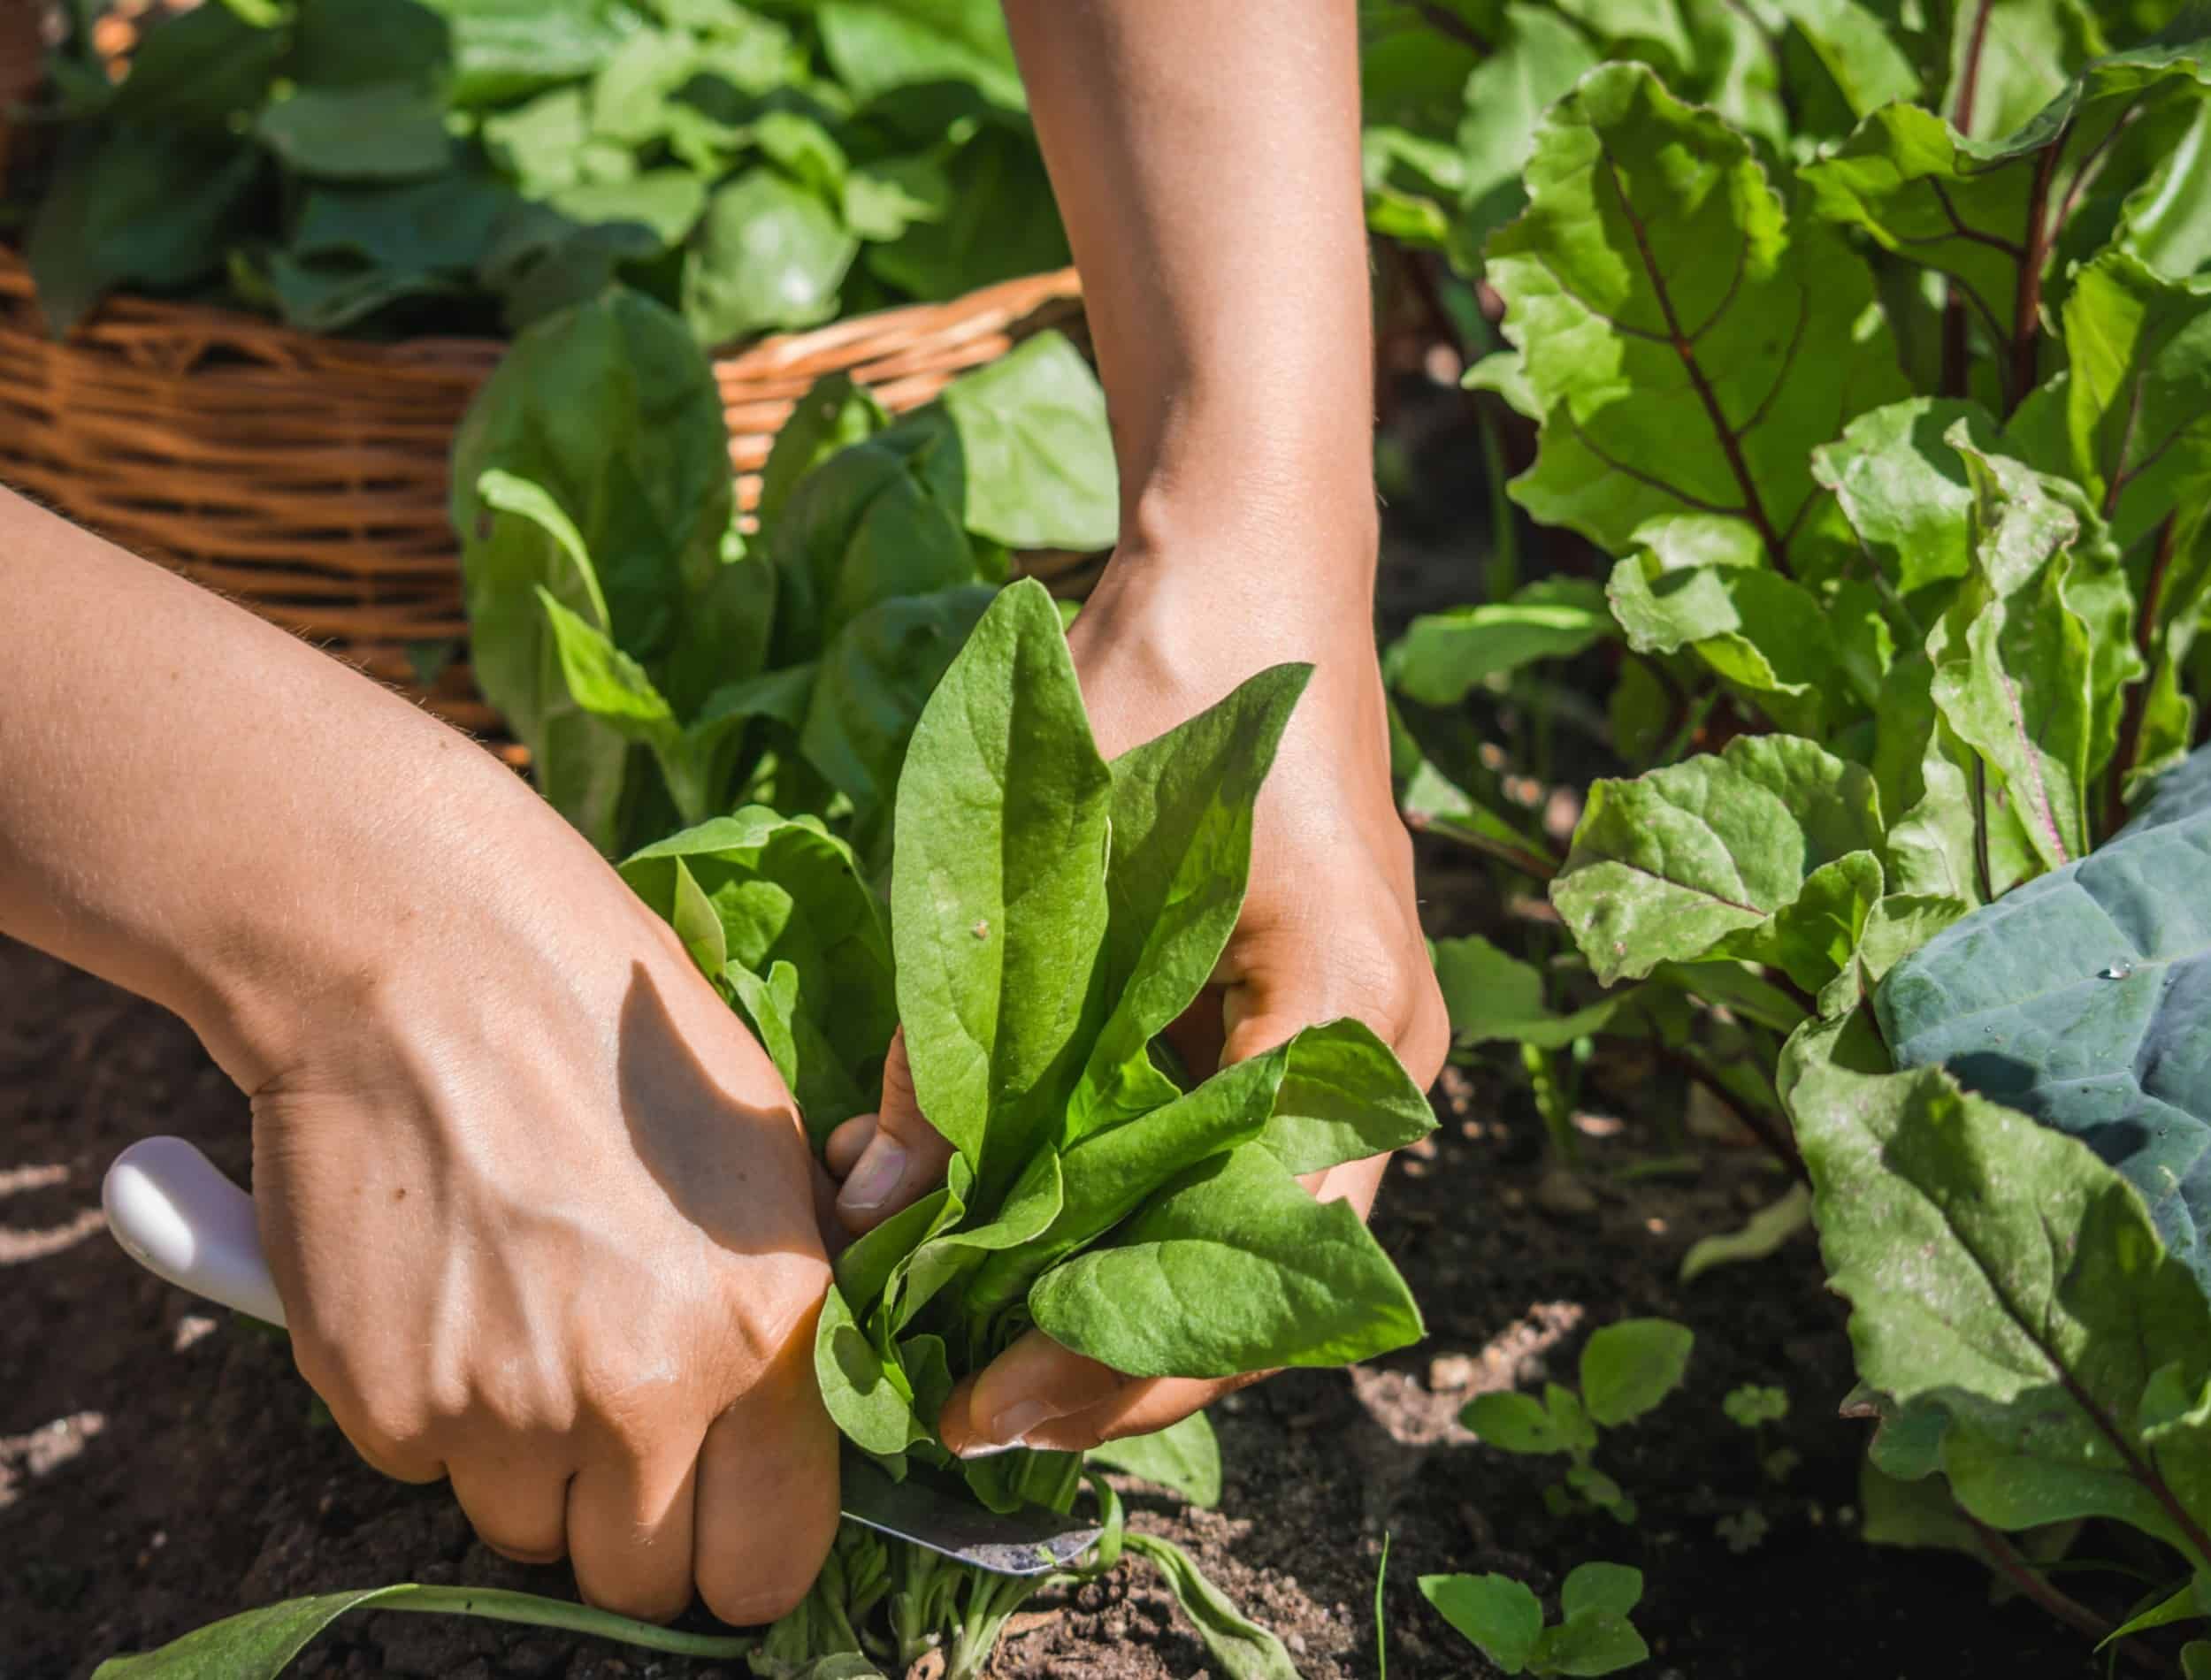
{"points": [[1627, 1369], [1503, 1616], [1754, 1406]]}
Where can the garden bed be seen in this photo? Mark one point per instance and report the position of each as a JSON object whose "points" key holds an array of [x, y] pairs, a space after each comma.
{"points": [[162, 1465]]}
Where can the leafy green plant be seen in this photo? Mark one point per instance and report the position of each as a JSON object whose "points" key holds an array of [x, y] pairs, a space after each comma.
{"points": [[1505, 1618], [1627, 1369], [376, 165], [1887, 415], [661, 666]]}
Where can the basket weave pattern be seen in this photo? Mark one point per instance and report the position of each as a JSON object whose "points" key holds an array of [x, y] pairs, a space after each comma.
{"points": [[306, 477]]}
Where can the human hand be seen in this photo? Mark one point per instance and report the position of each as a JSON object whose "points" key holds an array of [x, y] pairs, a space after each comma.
{"points": [[543, 1223], [1329, 926]]}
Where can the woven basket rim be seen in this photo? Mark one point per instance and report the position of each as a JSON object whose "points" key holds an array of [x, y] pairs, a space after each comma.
{"points": [[125, 314]]}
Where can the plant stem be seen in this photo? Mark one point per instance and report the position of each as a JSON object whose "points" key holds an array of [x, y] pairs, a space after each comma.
{"points": [[1956, 355], [495, 1605], [1444, 20], [2026, 307], [2004, 1557], [1970, 72], [1528, 862], [1777, 1142], [2130, 745], [1505, 536]]}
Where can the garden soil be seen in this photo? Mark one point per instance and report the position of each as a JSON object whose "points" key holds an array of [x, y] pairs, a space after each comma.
{"points": [[162, 1465]]}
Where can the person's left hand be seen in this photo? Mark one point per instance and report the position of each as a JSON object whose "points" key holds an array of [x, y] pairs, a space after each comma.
{"points": [[1330, 927]]}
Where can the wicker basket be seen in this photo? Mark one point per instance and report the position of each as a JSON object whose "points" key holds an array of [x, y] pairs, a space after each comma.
{"points": [[306, 477]]}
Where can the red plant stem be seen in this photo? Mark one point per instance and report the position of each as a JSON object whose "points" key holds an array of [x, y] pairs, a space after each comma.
{"points": [[2026, 308], [1957, 359], [1444, 21], [1970, 73], [1777, 1141], [2004, 1557], [2129, 745]]}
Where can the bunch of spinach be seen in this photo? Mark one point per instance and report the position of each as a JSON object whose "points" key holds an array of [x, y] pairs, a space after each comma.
{"points": [[1050, 914], [661, 666], [470, 165], [1890, 423]]}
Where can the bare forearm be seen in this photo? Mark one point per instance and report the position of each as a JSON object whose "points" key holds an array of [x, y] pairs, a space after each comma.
{"points": [[197, 805], [1205, 157]]}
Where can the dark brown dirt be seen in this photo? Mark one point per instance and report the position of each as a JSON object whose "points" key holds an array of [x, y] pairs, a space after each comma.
{"points": [[161, 1465]]}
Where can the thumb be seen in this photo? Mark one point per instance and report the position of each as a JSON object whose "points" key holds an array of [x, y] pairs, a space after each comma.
{"points": [[903, 1160]]}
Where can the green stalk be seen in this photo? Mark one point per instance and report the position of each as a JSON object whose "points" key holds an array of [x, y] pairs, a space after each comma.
{"points": [[495, 1605]]}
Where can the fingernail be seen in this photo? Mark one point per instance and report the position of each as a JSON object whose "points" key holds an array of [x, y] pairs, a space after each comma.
{"points": [[1010, 1428], [986, 1450], [876, 1177]]}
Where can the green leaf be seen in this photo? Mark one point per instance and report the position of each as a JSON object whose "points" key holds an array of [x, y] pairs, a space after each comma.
{"points": [[1036, 455], [1710, 858], [885, 198], [631, 95], [1689, 345], [2179, 1606], [876, 46], [865, 526], [785, 890], [871, 1408], [1241, 1648], [122, 211], [999, 223], [697, 924], [1496, 999], [1904, 489], [197, 70], [1515, 1423], [258, 1645], [1597, 1588], [1181, 852], [613, 687], [612, 410], [785, 1016], [2078, 1000], [1497, 1612], [382, 131], [1761, 1234], [2013, 677], [1235, 1270], [519, 547], [1937, 1213], [1444, 656], [1772, 640], [443, 225], [1596, 1641], [664, 202], [767, 253], [1344, 1096], [2138, 395], [1629, 1367], [833, 413], [998, 902], [347, 43], [878, 672], [503, 50], [1184, 1456], [1967, 208], [1536, 59]]}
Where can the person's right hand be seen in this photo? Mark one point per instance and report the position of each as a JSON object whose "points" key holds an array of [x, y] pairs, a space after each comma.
{"points": [[543, 1223]]}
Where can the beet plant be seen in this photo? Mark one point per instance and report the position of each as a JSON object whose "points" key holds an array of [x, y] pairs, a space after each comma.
{"points": [[1871, 361]]}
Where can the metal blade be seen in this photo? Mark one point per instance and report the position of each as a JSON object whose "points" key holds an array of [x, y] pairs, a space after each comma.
{"points": [[1030, 1541]]}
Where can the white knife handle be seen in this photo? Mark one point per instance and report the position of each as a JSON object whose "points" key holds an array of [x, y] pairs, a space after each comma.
{"points": [[176, 1215]]}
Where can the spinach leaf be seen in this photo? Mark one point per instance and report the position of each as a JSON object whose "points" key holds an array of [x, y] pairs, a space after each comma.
{"points": [[1234, 1269], [997, 903], [1181, 824]]}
